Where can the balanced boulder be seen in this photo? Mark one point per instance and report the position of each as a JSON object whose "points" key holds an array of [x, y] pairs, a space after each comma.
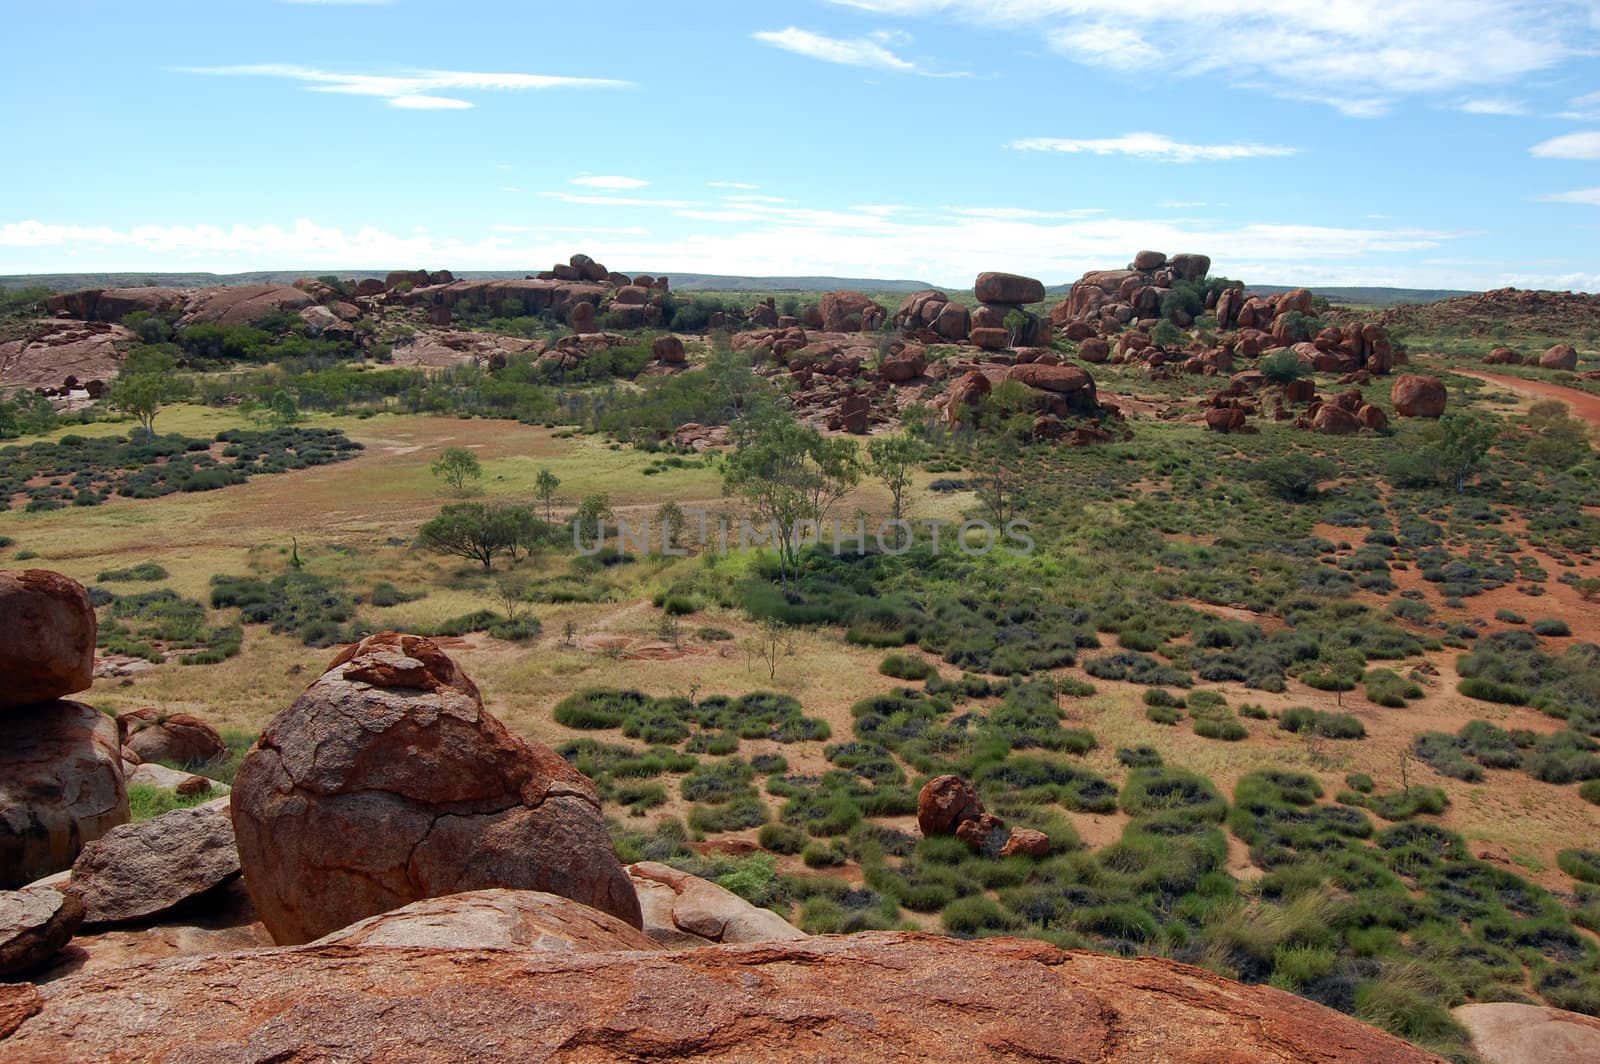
{"points": [[1007, 288], [61, 786], [47, 636], [387, 782]]}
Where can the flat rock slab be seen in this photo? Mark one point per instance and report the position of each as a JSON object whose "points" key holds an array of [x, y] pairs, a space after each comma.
{"points": [[880, 996], [141, 870], [496, 919], [34, 924], [1508, 1033], [682, 911]]}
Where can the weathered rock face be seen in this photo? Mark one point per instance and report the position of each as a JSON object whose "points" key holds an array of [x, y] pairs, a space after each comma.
{"points": [[47, 634], [242, 304], [387, 782], [1508, 1033], [1561, 356], [1415, 395], [1007, 288], [966, 394], [179, 737], [850, 312], [18, 1001], [60, 787], [113, 304], [869, 997], [495, 919], [683, 911], [34, 925], [136, 871], [944, 803]]}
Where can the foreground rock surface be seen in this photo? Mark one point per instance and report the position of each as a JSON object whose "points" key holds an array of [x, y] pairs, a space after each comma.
{"points": [[60, 787], [681, 911], [495, 919], [1509, 1033], [141, 870], [869, 997], [387, 782], [47, 634]]}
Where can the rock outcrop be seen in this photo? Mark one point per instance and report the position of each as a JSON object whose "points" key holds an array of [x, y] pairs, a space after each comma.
{"points": [[1511, 1033], [387, 782], [871, 997], [683, 911], [495, 919], [944, 803], [47, 636], [61, 786], [846, 311]]}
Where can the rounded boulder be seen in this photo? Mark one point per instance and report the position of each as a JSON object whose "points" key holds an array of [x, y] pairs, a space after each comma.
{"points": [[387, 782], [47, 635], [1415, 395]]}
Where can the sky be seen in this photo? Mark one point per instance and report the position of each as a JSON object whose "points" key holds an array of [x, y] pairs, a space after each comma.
{"points": [[1411, 143]]}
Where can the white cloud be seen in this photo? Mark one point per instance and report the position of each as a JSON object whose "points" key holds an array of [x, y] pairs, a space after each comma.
{"points": [[1355, 55], [731, 184], [1584, 145], [414, 91], [1018, 214], [1156, 146], [614, 201], [871, 52], [834, 49], [755, 199], [627, 230], [1587, 196], [1493, 107], [608, 181]]}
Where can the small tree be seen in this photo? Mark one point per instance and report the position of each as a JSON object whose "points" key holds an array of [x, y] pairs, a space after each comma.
{"points": [[1292, 477], [671, 521], [285, 410], [511, 593], [788, 474], [470, 530], [142, 395], [1281, 367], [893, 461], [456, 466], [545, 484], [592, 513], [569, 631], [768, 644]]}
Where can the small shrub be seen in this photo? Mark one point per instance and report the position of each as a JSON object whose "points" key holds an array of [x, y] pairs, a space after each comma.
{"points": [[1551, 626], [1582, 865], [906, 667]]}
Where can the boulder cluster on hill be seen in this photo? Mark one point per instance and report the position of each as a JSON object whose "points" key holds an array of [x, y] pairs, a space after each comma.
{"points": [[440, 888], [844, 377]]}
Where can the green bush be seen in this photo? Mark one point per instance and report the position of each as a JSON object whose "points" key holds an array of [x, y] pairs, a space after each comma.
{"points": [[146, 571], [599, 707], [1301, 719], [1590, 791], [1551, 626], [782, 838], [906, 667], [1580, 864]]}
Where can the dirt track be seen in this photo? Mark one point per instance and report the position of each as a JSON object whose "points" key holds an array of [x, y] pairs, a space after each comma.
{"points": [[1583, 404]]}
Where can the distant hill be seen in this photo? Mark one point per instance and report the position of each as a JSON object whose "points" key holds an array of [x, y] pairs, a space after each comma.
{"points": [[681, 282]]}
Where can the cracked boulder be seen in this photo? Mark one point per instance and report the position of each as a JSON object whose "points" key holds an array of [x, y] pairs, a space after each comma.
{"points": [[387, 782], [47, 633], [34, 924]]}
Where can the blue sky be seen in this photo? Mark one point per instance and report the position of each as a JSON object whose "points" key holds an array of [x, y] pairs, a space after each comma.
{"points": [[1428, 143]]}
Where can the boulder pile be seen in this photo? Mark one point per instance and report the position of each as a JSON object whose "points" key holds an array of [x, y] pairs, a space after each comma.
{"points": [[1104, 303], [949, 805], [61, 783], [1001, 318]]}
